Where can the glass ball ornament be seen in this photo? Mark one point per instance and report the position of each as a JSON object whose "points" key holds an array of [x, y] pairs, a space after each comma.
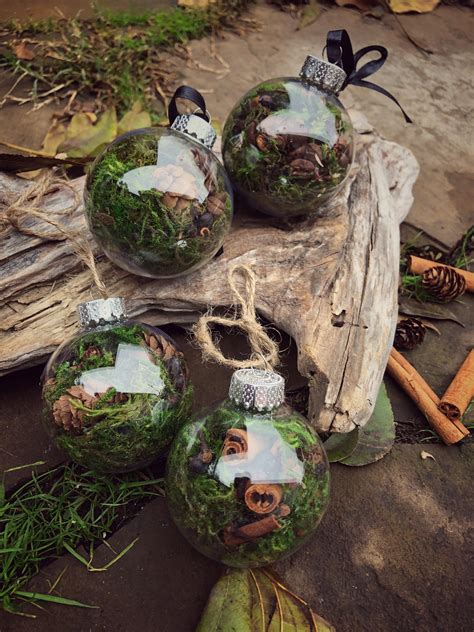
{"points": [[158, 201], [116, 393], [288, 144], [248, 483]]}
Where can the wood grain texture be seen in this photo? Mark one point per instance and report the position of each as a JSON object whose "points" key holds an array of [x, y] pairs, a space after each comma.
{"points": [[329, 281]]}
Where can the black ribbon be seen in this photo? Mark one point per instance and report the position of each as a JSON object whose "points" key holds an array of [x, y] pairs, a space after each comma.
{"points": [[190, 94], [339, 52]]}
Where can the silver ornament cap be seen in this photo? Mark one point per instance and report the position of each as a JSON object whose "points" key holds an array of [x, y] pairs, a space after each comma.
{"points": [[101, 312], [259, 389], [323, 74], [196, 128]]}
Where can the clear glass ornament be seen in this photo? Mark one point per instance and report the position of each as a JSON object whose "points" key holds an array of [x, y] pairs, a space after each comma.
{"points": [[248, 483], [158, 201], [116, 393], [288, 144]]}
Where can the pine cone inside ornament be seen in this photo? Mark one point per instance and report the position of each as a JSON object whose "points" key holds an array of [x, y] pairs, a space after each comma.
{"points": [[443, 283], [65, 410], [410, 332]]}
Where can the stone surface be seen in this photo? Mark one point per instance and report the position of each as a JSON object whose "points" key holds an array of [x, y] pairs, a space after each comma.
{"points": [[391, 554]]}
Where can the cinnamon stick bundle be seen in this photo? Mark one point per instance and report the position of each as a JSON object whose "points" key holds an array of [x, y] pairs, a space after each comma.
{"points": [[419, 265], [460, 392], [425, 398]]}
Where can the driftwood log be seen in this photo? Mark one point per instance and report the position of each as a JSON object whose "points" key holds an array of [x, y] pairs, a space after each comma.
{"points": [[330, 282]]}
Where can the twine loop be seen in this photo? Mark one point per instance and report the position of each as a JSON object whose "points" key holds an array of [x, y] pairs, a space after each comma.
{"points": [[265, 352], [28, 203]]}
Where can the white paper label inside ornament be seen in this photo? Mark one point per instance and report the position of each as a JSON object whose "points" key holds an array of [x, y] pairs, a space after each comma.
{"points": [[134, 372], [268, 459]]}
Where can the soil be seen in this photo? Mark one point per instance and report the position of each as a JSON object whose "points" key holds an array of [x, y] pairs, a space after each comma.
{"points": [[391, 552]]}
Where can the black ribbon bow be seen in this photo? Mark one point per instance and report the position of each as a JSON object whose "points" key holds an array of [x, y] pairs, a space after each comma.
{"points": [[339, 52], [190, 94]]}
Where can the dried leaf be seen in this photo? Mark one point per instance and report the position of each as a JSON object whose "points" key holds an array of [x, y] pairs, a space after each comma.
{"points": [[376, 438], [309, 14], [339, 446], [411, 307], [85, 139], [418, 6], [22, 51], [426, 455], [429, 325], [17, 164], [136, 118], [53, 139]]}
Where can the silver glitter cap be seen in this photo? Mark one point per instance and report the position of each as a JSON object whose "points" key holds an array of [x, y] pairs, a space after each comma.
{"points": [[323, 74], [195, 127], [101, 312], [257, 388]]}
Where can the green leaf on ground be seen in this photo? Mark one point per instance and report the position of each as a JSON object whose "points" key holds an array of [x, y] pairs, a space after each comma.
{"points": [[339, 446], [309, 14], [376, 438], [136, 118], [34, 596], [83, 138], [410, 307], [254, 601]]}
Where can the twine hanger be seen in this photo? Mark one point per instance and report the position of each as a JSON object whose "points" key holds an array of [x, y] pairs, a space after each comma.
{"points": [[28, 203], [265, 352]]}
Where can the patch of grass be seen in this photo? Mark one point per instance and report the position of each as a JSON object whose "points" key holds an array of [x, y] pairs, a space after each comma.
{"points": [[56, 511], [113, 57]]}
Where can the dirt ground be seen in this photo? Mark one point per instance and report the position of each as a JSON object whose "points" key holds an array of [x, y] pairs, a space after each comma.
{"points": [[392, 551]]}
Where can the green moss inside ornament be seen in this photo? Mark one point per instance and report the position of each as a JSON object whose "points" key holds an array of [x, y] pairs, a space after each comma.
{"points": [[158, 203], [115, 397], [288, 147], [247, 487]]}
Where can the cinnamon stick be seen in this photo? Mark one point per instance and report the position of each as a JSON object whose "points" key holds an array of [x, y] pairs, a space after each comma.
{"points": [[411, 383], [419, 265], [460, 392], [248, 532], [413, 373]]}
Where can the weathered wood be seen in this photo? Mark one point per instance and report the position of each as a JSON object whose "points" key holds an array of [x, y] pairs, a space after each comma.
{"points": [[330, 282]]}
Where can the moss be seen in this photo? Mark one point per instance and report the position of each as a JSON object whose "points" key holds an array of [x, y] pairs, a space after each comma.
{"points": [[203, 505], [119, 431], [276, 123], [134, 221]]}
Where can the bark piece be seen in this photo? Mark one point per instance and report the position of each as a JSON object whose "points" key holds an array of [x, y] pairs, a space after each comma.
{"points": [[330, 282]]}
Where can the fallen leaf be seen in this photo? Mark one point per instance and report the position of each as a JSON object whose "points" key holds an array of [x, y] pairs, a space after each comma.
{"points": [[253, 600], [429, 325], [309, 14], [376, 438], [426, 455], [411, 307], [17, 164], [339, 446], [54, 137], [418, 6], [136, 118], [85, 139], [22, 51]]}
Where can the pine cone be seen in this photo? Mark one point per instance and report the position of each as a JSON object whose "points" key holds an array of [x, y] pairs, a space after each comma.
{"points": [[65, 412], [410, 332], [444, 284]]}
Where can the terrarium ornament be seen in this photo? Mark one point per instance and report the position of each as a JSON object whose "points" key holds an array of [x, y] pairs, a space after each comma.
{"points": [[116, 393], [248, 482], [157, 200], [288, 144]]}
